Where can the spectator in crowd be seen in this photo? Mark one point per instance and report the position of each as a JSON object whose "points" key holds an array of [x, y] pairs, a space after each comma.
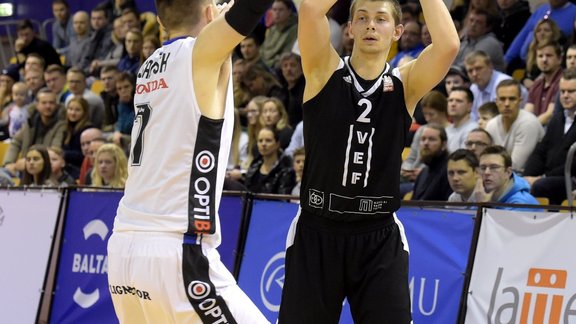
{"points": [[486, 112], [116, 52], [77, 120], [484, 80], [561, 11], [456, 77], [274, 115], [298, 158], [59, 176], [42, 128], [434, 108], [501, 183], [253, 112], [425, 36], [250, 50], [479, 37], [27, 42], [280, 37], [297, 139], [150, 44], [34, 61], [410, 44], [8, 76], [109, 96], [463, 176], [55, 78], [260, 82], [543, 93], [570, 57], [272, 171], [78, 45], [37, 169], [516, 129], [125, 84], [15, 115], [110, 167], [133, 45], [291, 68], [545, 168], [94, 146], [459, 108], [513, 16], [241, 93], [86, 138], [478, 140], [78, 88], [62, 31], [34, 79], [130, 19], [239, 141], [432, 182], [546, 31], [100, 43]]}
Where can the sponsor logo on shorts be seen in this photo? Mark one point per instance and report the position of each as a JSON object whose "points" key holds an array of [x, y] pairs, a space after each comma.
{"points": [[315, 198], [208, 307], [127, 290], [205, 161], [198, 289]]}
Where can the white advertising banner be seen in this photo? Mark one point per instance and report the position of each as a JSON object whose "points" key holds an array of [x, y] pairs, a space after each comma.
{"points": [[27, 222], [524, 269]]}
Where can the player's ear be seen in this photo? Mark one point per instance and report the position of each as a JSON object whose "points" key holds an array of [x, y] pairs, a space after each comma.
{"points": [[348, 29], [209, 13], [398, 31]]}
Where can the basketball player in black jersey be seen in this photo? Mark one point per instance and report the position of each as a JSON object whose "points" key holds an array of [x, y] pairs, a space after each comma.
{"points": [[346, 240]]}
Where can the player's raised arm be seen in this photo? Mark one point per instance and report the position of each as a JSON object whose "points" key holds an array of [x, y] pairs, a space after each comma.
{"points": [[228, 25], [422, 74], [319, 58]]}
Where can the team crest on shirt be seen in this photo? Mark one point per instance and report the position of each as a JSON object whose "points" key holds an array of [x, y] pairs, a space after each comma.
{"points": [[315, 198], [388, 84]]}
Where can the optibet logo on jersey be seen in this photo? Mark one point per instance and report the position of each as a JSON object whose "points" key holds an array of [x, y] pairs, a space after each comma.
{"points": [[547, 297], [205, 161]]}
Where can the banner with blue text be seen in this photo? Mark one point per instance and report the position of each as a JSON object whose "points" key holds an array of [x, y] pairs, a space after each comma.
{"points": [[439, 245]]}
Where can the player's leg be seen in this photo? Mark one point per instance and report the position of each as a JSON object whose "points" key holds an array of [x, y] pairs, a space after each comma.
{"points": [[313, 290], [377, 284]]}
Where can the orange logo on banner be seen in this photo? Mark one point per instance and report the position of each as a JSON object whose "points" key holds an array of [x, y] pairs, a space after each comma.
{"points": [[544, 278]]}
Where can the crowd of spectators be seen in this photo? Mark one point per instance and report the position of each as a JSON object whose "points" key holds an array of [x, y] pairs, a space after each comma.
{"points": [[497, 128]]}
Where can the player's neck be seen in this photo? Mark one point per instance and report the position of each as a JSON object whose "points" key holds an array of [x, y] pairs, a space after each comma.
{"points": [[368, 66], [185, 32]]}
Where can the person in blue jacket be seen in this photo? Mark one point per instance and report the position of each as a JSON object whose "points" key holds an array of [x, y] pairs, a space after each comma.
{"points": [[500, 183]]}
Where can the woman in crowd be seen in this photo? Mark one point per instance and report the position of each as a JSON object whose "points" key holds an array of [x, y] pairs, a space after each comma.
{"points": [[545, 30], [110, 167], [37, 169], [149, 45], [253, 111], [59, 176], [260, 82], [77, 120], [274, 115], [271, 172]]}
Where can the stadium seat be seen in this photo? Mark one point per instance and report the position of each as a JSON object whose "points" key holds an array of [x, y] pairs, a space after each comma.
{"points": [[543, 201], [97, 86]]}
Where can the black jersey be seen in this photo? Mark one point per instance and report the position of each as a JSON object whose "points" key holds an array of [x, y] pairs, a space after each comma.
{"points": [[354, 140]]}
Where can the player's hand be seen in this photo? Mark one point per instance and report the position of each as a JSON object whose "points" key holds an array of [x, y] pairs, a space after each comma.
{"points": [[224, 7]]}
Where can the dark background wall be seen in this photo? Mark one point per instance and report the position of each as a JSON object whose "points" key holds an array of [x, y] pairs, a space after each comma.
{"points": [[41, 10]]}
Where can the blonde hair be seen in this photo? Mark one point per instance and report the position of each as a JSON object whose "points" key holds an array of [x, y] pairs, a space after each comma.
{"points": [[253, 130], [534, 45], [120, 169], [283, 121]]}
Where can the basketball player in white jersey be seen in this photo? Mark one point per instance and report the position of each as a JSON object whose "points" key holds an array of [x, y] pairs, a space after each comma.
{"points": [[346, 241], [163, 263]]}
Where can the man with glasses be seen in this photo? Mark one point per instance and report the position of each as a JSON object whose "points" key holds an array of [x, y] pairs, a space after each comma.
{"points": [[478, 139], [515, 129], [500, 182]]}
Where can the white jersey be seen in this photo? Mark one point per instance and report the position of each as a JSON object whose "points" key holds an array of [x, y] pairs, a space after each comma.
{"points": [[176, 167]]}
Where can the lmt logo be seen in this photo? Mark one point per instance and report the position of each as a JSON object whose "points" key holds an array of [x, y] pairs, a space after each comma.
{"points": [[545, 299]]}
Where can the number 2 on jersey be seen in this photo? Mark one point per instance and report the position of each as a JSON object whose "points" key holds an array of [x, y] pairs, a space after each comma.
{"points": [[364, 116], [143, 112]]}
